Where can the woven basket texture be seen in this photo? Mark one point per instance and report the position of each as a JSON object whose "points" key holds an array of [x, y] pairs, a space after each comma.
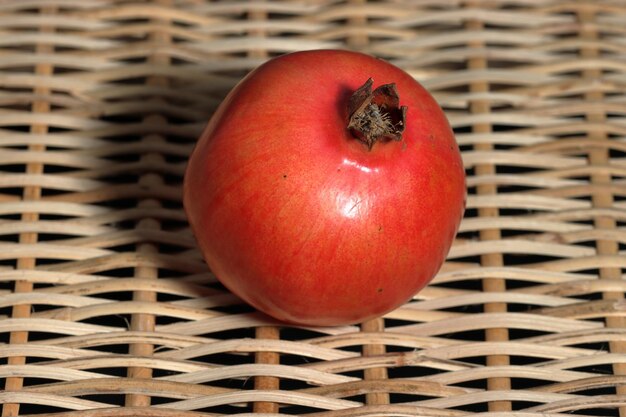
{"points": [[108, 309]]}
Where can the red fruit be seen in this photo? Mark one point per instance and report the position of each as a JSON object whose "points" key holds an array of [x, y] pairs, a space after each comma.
{"points": [[312, 221]]}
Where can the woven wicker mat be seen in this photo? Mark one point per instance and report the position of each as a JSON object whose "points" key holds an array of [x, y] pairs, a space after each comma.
{"points": [[108, 309]]}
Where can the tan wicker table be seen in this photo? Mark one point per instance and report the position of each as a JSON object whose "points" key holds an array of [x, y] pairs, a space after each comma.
{"points": [[108, 309]]}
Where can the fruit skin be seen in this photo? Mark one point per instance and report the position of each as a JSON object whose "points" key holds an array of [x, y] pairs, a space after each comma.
{"points": [[300, 219]]}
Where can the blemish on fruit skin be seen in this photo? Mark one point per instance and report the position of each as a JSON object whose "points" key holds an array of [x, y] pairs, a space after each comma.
{"points": [[380, 229], [379, 290], [284, 176]]}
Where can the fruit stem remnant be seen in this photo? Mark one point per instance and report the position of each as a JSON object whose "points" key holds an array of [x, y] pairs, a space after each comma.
{"points": [[376, 115]]}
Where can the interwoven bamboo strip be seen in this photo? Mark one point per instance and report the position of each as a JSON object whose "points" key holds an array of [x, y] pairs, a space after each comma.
{"points": [[107, 308]]}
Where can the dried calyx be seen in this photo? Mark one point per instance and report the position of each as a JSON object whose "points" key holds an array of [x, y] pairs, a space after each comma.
{"points": [[376, 115]]}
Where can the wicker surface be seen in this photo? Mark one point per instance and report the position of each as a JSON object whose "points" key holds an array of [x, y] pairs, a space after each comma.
{"points": [[108, 309]]}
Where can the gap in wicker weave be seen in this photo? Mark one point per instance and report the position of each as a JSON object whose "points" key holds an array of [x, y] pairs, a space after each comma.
{"points": [[110, 399], [118, 321], [608, 412], [27, 409], [412, 372], [5, 337]]}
